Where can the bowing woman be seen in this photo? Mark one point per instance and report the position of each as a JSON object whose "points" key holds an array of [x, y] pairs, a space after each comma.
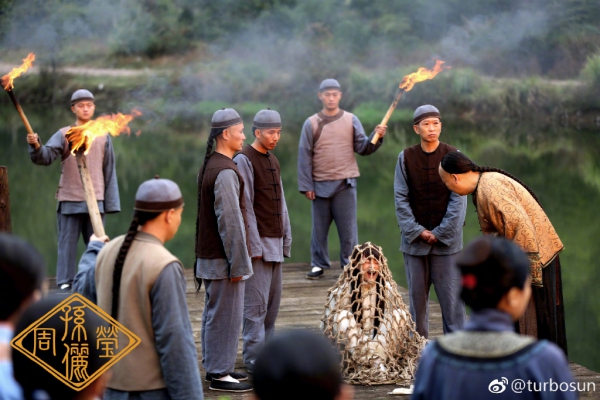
{"points": [[508, 208]]}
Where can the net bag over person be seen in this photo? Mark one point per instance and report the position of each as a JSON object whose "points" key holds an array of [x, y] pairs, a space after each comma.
{"points": [[366, 317]]}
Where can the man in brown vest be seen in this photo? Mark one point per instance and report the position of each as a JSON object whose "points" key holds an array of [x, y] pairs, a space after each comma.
{"points": [[73, 217], [431, 219], [269, 233], [222, 260], [327, 172], [150, 300]]}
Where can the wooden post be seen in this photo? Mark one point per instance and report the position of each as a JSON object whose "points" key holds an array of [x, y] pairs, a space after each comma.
{"points": [[5, 223], [90, 195]]}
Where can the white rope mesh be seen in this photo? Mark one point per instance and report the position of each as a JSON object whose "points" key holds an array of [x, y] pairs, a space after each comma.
{"points": [[366, 317]]}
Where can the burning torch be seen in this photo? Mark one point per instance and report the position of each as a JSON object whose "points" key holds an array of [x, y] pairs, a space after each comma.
{"points": [[7, 83], [80, 139], [407, 84]]}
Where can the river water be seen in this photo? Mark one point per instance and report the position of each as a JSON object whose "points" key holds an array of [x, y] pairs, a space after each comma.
{"points": [[562, 166]]}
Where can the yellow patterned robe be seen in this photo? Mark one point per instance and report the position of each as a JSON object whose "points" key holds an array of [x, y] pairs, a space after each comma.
{"points": [[505, 208]]}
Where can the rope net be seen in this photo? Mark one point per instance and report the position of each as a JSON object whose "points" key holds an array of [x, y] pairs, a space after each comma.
{"points": [[367, 319]]}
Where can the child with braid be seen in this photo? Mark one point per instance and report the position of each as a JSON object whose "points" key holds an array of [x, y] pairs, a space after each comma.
{"points": [[507, 207], [142, 285], [222, 259]]}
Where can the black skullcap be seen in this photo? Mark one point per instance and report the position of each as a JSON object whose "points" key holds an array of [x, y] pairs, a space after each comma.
{"points": [[267, 119], [425, 111], [225, 118], [328, 84], [158, 195], [81, 95]]}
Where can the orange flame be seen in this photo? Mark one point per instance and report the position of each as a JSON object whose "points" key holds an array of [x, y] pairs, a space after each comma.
{"points": [[82, 136], [421, 75], [7, 80]]}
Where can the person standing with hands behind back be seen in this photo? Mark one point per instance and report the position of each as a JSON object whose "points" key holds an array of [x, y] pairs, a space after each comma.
{"points": [[327, 172], [431, 218]]}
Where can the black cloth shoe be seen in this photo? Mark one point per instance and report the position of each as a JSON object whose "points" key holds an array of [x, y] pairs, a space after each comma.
{"points": [[240, 376], [250, 367], [314, 275], [225, 386]]}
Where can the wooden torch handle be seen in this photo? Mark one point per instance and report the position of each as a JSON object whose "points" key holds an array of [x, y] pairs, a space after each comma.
{"points": [[20, 111], [90, 196], [388, 114]]}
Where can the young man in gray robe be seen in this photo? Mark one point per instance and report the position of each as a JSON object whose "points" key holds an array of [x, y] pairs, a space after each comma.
{"points": [[151, 301], [327, 172], [431, 219], [269, 233], [72, 212], [222, 251]]}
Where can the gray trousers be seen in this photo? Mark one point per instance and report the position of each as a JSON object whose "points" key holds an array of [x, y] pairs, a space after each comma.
{"points": [[340, 208], [221, 325], [262, 297], [70, 226], [421, 272]]}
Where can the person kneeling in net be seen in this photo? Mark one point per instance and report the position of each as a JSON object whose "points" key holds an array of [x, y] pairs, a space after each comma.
{"points": [[488, 357], [366, 317]]}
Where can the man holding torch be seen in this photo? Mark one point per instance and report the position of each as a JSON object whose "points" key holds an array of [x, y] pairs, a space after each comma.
{"points": [[327, 172], [72, 212], [431, 219]]}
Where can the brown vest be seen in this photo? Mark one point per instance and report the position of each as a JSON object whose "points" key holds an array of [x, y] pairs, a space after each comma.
{"points": [[333, 147], [146, 259], [70, 187], [267, 192], [427, 194], [208, 243]]}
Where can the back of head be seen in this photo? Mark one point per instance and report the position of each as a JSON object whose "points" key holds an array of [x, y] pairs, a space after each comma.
{"points": [[297, 364], [36, 381], [490, 267], [22, 271], [456, 162]]}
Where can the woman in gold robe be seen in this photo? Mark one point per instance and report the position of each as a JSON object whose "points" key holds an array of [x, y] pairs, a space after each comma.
{"points": [[507, 207]]}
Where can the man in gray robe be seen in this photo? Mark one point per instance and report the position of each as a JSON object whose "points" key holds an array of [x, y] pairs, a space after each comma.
{"points": [[327, 172], [222, 252], [158, 207], [269, 233], [431, 219], [72, 212]]}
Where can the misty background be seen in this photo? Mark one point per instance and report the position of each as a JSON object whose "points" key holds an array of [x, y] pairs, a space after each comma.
{"points": [[522, 94]]}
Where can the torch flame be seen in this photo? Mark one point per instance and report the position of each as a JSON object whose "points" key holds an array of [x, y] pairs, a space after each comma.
{"points": [[421, 75], [82, 136], [7, 80]]}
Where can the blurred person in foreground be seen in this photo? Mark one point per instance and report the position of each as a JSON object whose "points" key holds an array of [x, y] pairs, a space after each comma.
{"points": [[36, 381], [482, 361], [22, 272], [509, 208], [149, 299], [299, 364], [72, 212]]}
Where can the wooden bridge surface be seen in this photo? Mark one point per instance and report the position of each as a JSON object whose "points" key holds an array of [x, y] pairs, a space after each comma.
{"points": [[302, 306]]}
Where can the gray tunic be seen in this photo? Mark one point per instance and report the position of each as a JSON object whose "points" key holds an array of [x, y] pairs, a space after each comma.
{"points": [[327, 189], [450, 231], [58, 146], [231, 230], [172, 330], [269, 248]]}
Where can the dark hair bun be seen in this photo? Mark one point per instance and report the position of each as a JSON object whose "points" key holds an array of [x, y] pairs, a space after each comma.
{"points": [[490, 267]]}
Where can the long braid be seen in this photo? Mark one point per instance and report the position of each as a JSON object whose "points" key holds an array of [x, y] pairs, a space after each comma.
{"points": [[214, 132], [139, 218], [503, 172], [457, 163]]}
